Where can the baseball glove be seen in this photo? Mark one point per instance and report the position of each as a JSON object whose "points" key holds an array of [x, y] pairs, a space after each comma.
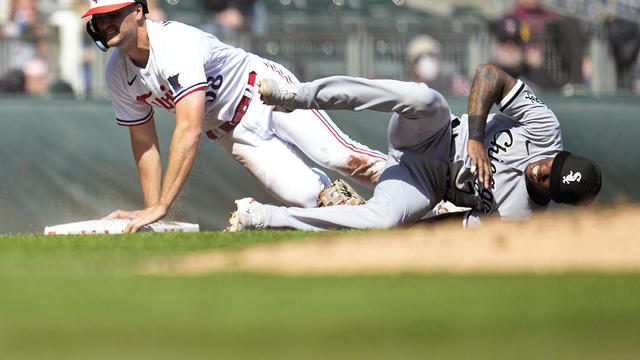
{"points": [[339, 193]]}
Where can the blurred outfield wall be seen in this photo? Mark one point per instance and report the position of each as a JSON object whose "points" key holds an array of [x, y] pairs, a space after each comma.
{"points": [[67, 160]]}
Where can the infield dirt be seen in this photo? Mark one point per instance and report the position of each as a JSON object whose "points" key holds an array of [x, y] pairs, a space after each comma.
{"points": [[590, 240]]}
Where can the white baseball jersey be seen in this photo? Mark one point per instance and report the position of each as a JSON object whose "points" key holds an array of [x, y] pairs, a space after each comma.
{"points": [[182, 59], [525, 131]]}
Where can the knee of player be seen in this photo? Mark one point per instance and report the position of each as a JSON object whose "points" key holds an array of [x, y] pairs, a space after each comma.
{"points": [[423, 100], [303, 194]]}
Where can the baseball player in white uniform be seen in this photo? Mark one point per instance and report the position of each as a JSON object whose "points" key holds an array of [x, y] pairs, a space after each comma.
{"points": [[434, 155], [210, 86]]}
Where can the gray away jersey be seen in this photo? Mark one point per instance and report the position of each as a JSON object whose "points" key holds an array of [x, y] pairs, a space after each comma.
{"points": [[524, 131]]}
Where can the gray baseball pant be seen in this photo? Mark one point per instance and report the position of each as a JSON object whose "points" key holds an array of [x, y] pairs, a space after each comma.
{"points": [[419, 136]]}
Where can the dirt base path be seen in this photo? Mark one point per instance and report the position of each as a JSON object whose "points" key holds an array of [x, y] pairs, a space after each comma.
{"points": [[594, 240]]}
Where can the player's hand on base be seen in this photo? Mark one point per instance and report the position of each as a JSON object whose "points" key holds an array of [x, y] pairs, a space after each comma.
{"points": [[139, 218], [145, 217], [480, 160], [121, 214]]}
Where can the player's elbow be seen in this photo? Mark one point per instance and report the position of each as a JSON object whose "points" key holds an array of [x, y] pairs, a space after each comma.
{"points": [[194, 134], [189, 133], [486, 71]]}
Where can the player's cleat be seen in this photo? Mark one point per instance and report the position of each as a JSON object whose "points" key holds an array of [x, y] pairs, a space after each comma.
{"points": [[244, 217], [281, 95]]}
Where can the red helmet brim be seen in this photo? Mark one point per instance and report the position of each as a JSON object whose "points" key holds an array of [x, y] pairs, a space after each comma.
{"points": [[107, 8]]}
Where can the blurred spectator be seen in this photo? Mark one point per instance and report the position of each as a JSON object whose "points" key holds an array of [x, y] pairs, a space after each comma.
{"points": [[510, 54], [540, 25], [508, 50], [27, 68], [537, 31], [36, 77], [572, 44], [624, 37], [69, 28], [532, 13], [553, 46], [424, 54], [12, 81], [229, 16]]}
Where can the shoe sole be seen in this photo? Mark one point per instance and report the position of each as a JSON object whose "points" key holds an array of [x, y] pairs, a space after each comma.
{"points": [[234, 219], [266, 95], [233, 222]]}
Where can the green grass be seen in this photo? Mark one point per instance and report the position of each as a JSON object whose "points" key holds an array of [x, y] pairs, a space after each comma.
{"points": [[79, 297]]}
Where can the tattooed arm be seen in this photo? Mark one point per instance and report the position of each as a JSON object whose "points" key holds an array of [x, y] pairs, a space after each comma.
{"points": [[490, 85]]}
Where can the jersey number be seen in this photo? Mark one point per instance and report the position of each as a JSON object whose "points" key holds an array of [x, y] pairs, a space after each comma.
{"points": [[214, 84]]}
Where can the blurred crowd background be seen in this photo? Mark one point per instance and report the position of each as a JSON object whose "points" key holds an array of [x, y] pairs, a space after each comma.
{"points": [[565, 46]]}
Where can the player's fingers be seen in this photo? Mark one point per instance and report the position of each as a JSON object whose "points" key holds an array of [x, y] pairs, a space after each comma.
{"points": [[476, 164], [487, 175], [133, 228], [114, 215], [481, 171]]}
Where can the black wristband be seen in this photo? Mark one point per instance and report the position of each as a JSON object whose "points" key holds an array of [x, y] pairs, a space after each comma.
{"points": [[477, 124]]}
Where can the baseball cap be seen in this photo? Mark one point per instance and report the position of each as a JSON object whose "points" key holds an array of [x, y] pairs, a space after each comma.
{"points": [[510, 29], [105, 6], [574, 180]]}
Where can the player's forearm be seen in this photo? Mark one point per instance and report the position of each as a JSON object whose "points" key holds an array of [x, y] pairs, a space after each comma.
{"points": [[490, 85], [184, 146], [150, 174], [182, 155], [146, 153]]}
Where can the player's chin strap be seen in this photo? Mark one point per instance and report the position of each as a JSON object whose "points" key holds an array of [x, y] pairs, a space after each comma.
{"points": [[97, 37]]}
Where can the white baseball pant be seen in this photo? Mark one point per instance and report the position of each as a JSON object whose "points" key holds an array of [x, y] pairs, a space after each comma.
{"points": [[266, 143]]}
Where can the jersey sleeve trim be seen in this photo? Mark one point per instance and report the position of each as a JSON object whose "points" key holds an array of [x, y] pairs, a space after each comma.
{"points": [[180, 95], [141, 121], [512, 95]]}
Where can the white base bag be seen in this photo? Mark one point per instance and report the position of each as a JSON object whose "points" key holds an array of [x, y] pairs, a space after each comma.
{"points": [[116, 226]]}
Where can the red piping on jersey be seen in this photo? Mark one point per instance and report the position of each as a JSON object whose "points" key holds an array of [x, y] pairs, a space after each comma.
{"points": [[196, 89], [286, 77], [332, 131]]}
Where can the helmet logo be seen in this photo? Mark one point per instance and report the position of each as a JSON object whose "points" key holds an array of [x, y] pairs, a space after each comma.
{"points": [[571, 177]]}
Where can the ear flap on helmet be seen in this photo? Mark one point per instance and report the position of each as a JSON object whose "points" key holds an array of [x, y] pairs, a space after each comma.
{"points": [[98, 38]]}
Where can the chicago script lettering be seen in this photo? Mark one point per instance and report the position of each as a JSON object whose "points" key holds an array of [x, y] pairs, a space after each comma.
{"points": [[498, 146]]}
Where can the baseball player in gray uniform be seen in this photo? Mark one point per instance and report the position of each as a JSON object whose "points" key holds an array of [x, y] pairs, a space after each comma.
{"points": [[209, 86], [508, 164]]}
